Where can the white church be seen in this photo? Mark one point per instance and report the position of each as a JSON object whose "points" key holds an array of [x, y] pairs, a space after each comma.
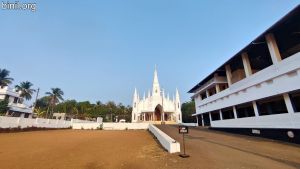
{"points": [[156, 107]]}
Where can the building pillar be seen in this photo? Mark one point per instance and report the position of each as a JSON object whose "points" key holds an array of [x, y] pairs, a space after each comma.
{"points": [[288, 103], [220, 112], [200, 97], [210, 119], [217, 87], [228, 74], [197, 120], [246, 63], [202, 120], [273, 48], [255, 108], [207, 93], [234, 112], [144, 115]]}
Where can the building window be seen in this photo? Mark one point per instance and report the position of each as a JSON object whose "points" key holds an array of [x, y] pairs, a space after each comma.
{"points": [[15, 100], [227, 113], [259, 55], [215, 115], [237, 69], [287, 36], [223, 86], [271, 105], [212, 91], [295, 98], [203, 96], [245, 110]]}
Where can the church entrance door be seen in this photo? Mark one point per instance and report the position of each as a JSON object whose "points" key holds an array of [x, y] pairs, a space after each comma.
{"points": [[157, 113]]}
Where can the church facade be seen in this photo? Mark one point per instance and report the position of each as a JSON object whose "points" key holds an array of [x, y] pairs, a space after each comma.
{"points": [[156, 107]]}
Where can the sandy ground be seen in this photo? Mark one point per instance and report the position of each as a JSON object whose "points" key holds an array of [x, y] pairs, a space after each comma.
{"points": [[137, 150], [212, 149]]}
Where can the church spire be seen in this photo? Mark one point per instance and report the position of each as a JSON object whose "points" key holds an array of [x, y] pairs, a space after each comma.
{"points": [[155, 86]]}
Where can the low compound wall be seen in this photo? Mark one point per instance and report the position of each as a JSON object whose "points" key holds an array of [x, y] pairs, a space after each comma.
{"points": [[86, 126], [189, 124], [166, 141], [125, 126], [19, 122], [111, 126]]}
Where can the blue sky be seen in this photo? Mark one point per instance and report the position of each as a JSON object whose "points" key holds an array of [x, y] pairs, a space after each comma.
{"points": [[100, 50]]}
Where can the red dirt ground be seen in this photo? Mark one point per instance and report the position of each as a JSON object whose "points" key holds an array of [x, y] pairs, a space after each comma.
{"points": [[74, 149]]}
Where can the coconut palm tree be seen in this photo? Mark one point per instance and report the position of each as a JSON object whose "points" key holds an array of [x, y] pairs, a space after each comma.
{"points": [[4, 78], [39, 112], [56, 96], [26, 90]]}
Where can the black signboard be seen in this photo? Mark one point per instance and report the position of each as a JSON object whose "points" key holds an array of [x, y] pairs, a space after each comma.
{"points": [[183, 130]]}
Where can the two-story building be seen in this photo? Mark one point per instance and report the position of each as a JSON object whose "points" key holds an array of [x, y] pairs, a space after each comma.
{"points": [[16, 107]]}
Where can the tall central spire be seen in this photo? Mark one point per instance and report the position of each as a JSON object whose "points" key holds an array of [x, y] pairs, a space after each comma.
{"points": [[155, 86]]}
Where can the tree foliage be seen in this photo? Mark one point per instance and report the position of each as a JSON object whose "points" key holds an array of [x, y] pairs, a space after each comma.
{"points": [[26, 90], [109, 111], [3, 106], [187, 109], [5, 80]]}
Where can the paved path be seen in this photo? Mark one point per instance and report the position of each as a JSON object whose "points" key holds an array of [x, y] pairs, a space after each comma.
{"points": [[213, 149]]}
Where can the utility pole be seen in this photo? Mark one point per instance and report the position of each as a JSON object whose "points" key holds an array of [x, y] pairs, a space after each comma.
{"points": [[37, 95]]}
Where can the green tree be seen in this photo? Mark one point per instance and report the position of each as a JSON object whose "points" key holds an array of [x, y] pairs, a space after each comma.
{"points": [[5, 80], [39, 112], [3, 107], [43, 102], [56, 96], [187, 109], [26, 90]]}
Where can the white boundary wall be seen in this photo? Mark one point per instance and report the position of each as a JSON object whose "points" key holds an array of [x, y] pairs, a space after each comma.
{"points": [[166, 141], [124, 126], [189, 124], [111, 126], [15, 122]]}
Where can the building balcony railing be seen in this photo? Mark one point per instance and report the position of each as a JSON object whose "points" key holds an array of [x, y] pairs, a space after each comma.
{"points": [[8, 91], [19, 107]]}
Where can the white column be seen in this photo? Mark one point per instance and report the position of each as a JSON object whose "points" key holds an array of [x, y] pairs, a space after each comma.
{"points": [[220, 112], [288, 103], [273, 48], [255, 108], [202, 120], [207, 93], [197, 120], [246, 63], [210, 117], [217, 87], [234, 112], [228, 74]]}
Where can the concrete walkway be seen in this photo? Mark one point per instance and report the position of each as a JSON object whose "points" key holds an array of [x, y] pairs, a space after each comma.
{"points": [[213, 149]]}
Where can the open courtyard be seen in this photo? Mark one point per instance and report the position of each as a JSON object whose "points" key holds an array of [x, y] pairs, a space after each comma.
{"points": [[137, 149]]}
